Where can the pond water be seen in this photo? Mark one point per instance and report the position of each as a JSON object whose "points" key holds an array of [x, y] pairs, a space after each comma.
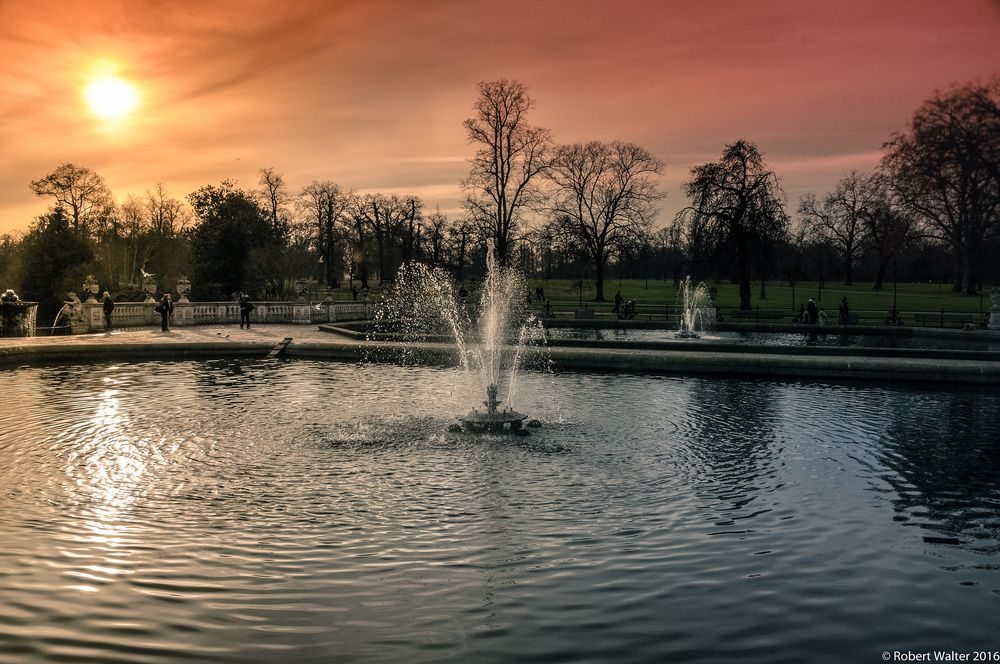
{"points": [[261, 511], [773, 338]]}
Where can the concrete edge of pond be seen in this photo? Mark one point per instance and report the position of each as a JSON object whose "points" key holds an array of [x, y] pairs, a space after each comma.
{"points": [[84, 352], [756, 364]]}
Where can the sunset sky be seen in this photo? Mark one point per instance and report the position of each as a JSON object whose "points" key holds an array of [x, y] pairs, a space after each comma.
{"points": [[372, 94]]}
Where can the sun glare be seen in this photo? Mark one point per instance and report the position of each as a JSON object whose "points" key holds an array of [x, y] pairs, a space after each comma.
{"points": [[111, 97]]}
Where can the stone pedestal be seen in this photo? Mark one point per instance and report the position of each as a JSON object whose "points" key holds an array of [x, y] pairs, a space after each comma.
{"points": [[301, 314], [93, 314], [183, 313]]}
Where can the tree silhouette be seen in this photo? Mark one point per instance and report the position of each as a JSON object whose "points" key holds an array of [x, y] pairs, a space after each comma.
{"points": [[605, 194], [737, 207], [511, 154], [945, 169]]}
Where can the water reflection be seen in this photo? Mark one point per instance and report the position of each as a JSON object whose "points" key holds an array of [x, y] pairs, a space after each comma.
{"points": [[944, 470], [731, 433], [243, 510]]}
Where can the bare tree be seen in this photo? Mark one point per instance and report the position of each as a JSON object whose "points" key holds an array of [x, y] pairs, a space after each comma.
{"points": [[737, 205], [888, 226], [945, 169], [459, 238], [326, 206], [437, 226], [386, 217], [167, 216], [510, 155], [276, 198], [77, 189], [840, 217], [604, 193]]}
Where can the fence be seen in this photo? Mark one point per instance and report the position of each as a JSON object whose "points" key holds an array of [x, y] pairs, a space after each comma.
{"points": [[90, 317]]}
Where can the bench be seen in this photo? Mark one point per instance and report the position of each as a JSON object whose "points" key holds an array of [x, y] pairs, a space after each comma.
{"points": [[944, 319]]}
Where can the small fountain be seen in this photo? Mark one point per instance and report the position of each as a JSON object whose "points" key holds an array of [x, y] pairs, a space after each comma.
{"points": [[493, 420], [693, 301], [491, 338]]}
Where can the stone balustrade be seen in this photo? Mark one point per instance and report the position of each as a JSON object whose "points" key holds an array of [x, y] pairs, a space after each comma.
{"points": [[142, 314]]}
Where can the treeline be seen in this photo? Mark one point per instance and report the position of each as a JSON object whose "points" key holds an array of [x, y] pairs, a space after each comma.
{"points": [[930, 211]]}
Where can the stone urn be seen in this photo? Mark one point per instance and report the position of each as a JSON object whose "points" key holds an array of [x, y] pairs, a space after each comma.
{"points": [[90, 289], [183, 289], [301, 289], [149, 288]]}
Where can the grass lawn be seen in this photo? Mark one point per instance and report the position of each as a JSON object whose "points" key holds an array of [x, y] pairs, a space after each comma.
{"points": [[910, 297], [860, 296]]}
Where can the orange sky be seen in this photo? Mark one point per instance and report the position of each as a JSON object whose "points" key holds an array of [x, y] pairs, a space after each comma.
{"points": [[372, 94]]}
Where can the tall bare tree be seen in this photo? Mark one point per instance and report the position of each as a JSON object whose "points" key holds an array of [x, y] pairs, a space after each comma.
{"points": [[840, 217], [945, 169], [77, 189], [510, 155], [737, 205], [604, 194]]}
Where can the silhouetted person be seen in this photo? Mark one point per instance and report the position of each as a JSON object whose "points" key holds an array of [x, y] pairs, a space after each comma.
{"points": [[802, 314], [354, 292], [245, 308], [548, 308], [529, 298], [843, 314], [618, 304], [109, 307], [812, 312], [539, 293], [166, 308]]}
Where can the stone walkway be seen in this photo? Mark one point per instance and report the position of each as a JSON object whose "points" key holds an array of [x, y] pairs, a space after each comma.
{"points": [[259, 334]]}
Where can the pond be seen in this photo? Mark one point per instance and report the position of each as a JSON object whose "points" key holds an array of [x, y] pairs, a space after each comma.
{"points": [[260, 511]]}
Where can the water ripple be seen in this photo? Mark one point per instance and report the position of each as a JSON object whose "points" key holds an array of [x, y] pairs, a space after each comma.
{"points": [[249, 511]]}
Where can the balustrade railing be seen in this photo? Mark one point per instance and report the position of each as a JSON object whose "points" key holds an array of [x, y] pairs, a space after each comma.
{"points": [[90, 317]]}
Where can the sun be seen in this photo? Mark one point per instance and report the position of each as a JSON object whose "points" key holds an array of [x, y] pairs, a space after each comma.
{"points": [[111, 97]]}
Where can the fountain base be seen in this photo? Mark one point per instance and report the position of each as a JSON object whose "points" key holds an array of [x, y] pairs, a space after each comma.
{"points": [[504, 421]]}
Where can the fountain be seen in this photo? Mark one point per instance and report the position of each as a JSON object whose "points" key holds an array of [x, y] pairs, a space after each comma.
{"points": [[693, 300], [17, 317], [493, 420], [492, 336]]}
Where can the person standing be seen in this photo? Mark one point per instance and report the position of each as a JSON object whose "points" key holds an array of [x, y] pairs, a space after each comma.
{"points": [[618, 305], [109, 307], [843, 315], [245, 308], [166, 308]]}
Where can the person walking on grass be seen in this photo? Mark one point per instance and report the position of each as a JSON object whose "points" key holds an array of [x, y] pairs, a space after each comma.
{"points": [[165, 308], [109, 307]]}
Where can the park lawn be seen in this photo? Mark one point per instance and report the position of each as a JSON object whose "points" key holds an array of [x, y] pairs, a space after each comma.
{"points": [[860, 296]]}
